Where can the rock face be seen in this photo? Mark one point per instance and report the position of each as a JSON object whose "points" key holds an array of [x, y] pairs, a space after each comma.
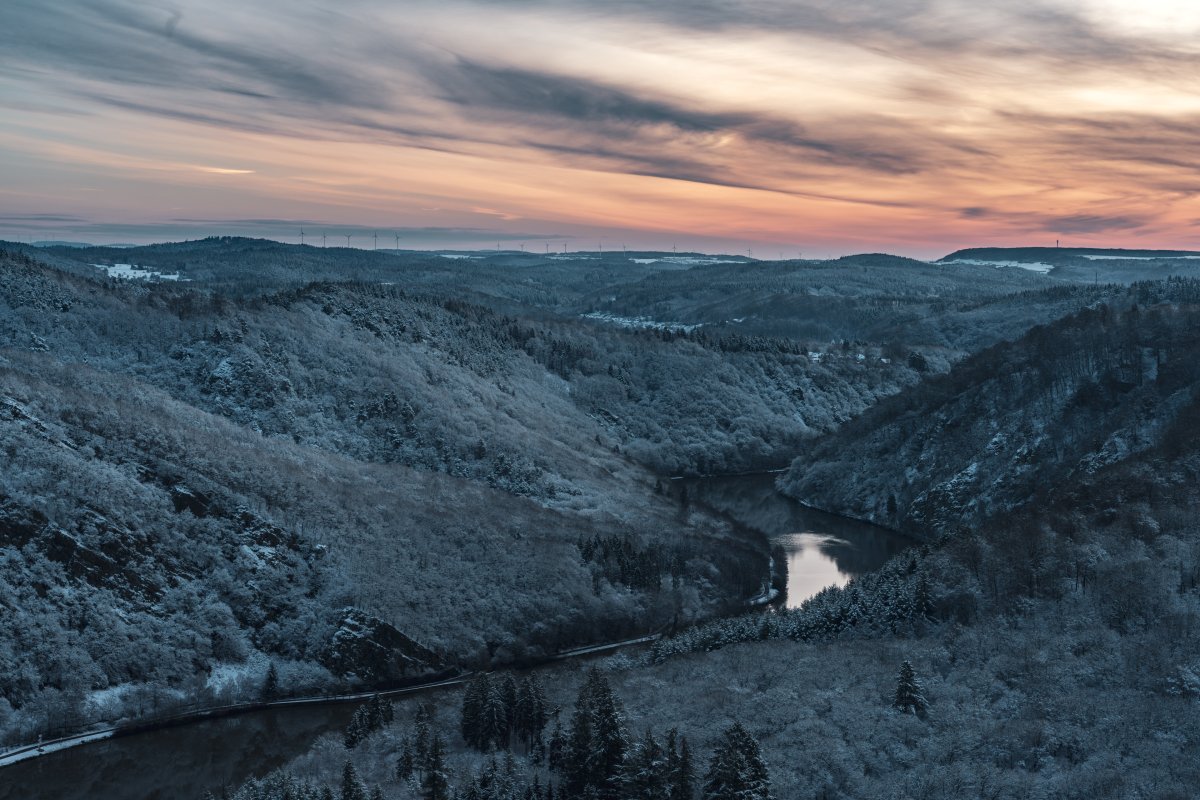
{"points": [[107, 561], [375, 652]]}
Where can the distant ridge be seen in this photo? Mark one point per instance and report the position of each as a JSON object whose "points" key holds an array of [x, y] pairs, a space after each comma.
{"points": [[1052, 254], [878, 260]]}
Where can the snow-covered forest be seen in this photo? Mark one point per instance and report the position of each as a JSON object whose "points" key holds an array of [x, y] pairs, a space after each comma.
{"points": [[296, 470]]}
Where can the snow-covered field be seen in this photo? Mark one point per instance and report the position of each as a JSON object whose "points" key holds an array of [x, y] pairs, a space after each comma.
{"points": [[641, 323], [132, 272], [1142, 258], [1032, 266], [685, 261]]}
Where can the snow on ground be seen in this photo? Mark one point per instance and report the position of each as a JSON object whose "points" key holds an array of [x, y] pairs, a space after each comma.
{"points": [[51, 747], [457, 256], [103, 701], [1142, 258], [685, 261], [1032, 266], [238, 677], [640, 323], [132, 272]]}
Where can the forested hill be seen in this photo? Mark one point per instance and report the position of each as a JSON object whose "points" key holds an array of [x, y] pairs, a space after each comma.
{"points": [[1082, 264], [1052, 254], [337, 481], [1065, 399]]}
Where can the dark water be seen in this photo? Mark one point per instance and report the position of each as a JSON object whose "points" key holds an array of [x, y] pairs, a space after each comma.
{"points": [[176, 763], [185, 762], [822, 549]]}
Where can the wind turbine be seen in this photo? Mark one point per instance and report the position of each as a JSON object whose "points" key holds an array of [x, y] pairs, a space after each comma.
{"points": [[397, 242], [347, 240], [376, 240], [302, 237], [322, 240]]}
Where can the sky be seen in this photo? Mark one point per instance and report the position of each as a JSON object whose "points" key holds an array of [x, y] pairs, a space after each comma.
{"points": [[779, 127]]}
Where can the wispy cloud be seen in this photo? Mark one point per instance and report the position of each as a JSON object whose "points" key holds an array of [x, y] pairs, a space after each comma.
{"points": [[947, 116]]}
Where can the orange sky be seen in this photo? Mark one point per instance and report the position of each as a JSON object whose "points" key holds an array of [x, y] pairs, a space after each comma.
{"points": [[912, 126]]}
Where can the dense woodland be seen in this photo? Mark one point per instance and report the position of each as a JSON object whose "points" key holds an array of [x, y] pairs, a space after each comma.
{"points": [[266, 473]]}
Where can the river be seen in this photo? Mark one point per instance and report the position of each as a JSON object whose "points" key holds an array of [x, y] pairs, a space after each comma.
{"points": [[821, 549], [184, 762]]}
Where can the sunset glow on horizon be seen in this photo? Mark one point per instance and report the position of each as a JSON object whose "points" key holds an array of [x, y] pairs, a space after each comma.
{"points": [[911, 126]]}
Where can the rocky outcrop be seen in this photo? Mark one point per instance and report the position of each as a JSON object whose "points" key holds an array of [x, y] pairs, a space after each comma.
{"points": [[375, 652]]}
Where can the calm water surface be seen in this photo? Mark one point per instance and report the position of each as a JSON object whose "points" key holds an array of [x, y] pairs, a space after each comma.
{"points": [[822, 549]]}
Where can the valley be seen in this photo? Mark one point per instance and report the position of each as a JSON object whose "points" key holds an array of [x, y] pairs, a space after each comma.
{"points": [[353, 470]]}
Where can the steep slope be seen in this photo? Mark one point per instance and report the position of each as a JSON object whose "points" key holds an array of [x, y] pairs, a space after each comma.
{"points": [[194, 487], [1065, 399]]}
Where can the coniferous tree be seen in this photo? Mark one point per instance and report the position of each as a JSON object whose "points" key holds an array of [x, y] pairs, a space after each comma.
{"points": [[508, 695], [576, 752], [434, 785], [493, 719], [270, 689], [556, 749], [474, 699], [406, 763], [609, 742], [683, 774], [420, 738], [529, 719], [354, 733], [737, 770], [646, 770], [909, 696], [595, 747], [377, 793], [352, 788]]}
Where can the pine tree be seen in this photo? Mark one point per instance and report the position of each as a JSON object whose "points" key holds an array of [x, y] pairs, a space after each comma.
{"points": [[474, 699], [493, 719], [737, 770], [909, 696], [354, 733], [556, 749], [595, 747], [922, 599], [609, 743], [420, 739], [406, 763], [270, 689], [529, 719], [577, 751], [434, 785], [683, 775], [509, 699], [377, 793], [646, 771], [352, 788]]}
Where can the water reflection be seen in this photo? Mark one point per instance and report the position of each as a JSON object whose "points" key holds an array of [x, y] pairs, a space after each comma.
{"points": [[822, 549], [175, 763]]}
